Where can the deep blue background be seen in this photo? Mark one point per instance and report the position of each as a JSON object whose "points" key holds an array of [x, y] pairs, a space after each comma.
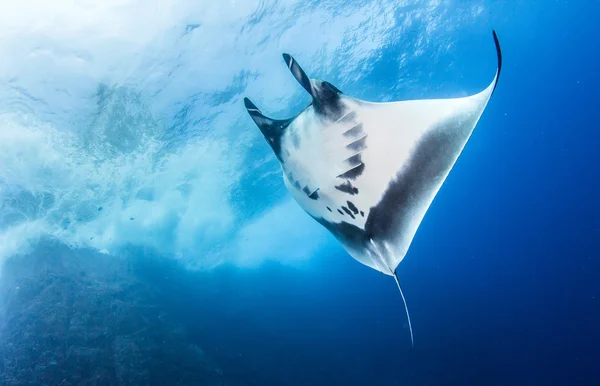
{"points": [[502, 279]]}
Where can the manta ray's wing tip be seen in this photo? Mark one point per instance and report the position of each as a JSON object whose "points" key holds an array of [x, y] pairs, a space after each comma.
{"points": [[499, 55], [498, 50]]}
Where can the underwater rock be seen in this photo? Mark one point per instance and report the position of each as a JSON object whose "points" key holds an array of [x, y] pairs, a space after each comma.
{"points": [[83, 318]]}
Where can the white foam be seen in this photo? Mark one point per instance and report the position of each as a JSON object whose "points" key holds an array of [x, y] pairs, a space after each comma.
{"points": [[91, 91]]}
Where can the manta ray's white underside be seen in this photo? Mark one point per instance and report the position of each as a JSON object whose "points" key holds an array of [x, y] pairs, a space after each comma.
{"points": [[367, 171], [410, 144]]}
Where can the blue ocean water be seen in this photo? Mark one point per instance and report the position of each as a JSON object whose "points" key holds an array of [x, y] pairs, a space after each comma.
{"points": [[123, 132]]}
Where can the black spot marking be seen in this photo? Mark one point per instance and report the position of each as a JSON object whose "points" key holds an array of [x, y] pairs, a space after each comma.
{"points": [[356, 131], [352, 207], [353, 173], [358, 145], [347, 187], [348, 211], [342, 213], [362, 213], [329, 209]]}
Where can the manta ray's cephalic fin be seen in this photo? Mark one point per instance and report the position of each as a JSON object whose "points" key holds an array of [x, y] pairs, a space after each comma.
{"points": [[257, 116], [271, 128], [323, 93], [299, 74]]}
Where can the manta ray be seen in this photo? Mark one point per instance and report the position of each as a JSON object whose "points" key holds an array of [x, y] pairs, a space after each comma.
{"points": [[367, 171]]}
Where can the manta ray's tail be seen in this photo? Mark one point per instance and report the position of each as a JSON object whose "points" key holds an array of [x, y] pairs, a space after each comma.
{"points": [[412, 339]]}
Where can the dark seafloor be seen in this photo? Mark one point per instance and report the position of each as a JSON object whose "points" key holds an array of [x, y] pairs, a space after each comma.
{"points": [[76, 317]]}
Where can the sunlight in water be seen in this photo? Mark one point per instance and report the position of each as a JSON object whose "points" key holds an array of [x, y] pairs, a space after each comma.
{"points": [[122, 122]]}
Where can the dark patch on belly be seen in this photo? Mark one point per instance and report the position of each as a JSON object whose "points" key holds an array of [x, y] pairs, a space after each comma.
{"points": [[433, 156], [347, 233], [389, 218], [347, 187], [352, 207], [362, 213], [347, 211]]}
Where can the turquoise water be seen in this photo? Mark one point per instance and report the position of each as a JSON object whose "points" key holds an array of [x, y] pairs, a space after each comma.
{"points": [[123, 133]]}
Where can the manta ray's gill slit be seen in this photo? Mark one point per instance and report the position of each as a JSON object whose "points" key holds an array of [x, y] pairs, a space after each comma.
{"points": [[347, 187], [355, 130], [358, 145], [354, 160], [329, 209], [353, 173], [348, 117], [342, 213]]}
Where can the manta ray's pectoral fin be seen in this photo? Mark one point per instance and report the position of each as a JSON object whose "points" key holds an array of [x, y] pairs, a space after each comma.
{"points": [[499, 55]]}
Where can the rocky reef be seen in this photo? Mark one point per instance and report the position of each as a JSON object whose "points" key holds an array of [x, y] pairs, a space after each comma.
{"points": [[77, 317]]}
